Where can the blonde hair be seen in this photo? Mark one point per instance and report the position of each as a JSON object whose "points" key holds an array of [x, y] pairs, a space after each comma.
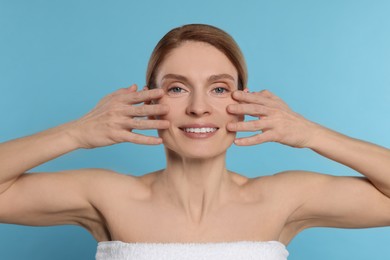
{"points": [[199, 33]]}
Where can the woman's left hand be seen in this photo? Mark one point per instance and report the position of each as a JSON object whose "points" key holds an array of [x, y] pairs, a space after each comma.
{"points": [[274, 119]]}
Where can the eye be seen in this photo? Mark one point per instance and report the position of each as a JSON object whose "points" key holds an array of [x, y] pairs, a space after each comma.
{"points": [[174, 90], [220, 90]]}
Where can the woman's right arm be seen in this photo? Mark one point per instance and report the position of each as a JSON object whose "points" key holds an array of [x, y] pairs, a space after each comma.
{"points": [[49, 199]]}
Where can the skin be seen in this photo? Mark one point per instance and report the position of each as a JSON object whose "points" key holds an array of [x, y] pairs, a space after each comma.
{"points": [[195, 199]]}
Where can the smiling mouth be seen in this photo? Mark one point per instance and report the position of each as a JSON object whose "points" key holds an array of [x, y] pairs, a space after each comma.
{"points": [[200, 130]]}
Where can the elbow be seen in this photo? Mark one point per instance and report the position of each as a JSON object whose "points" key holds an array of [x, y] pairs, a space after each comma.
{"points": [[6, 186], [384, 189]]}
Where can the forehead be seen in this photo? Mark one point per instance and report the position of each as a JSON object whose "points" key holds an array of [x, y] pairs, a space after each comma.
{"points": [[196, 59]]}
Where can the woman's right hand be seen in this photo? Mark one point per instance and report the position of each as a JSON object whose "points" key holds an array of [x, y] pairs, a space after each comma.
{"points": [[117, 115]]}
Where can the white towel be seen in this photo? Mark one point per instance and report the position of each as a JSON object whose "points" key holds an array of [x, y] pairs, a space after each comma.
{"points": [[248, 250]]}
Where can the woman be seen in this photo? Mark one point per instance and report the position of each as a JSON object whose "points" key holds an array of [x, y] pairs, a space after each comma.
{"points": [[196, 97]]}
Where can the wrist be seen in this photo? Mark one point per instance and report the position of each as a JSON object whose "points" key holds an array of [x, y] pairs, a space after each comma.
{"points": [[326, 141], [319, 136], [69, 136]]}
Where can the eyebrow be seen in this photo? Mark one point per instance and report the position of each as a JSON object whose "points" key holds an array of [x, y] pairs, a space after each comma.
{"points": [[221, 76], [210, 79]]}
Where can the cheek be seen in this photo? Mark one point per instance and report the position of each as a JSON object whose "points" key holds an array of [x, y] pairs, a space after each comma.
{"points": [[231, 117], [175, 108]]}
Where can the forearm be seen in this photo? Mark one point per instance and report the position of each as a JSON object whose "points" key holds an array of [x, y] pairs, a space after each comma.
{"points": [[371, 160], [20, 155]]}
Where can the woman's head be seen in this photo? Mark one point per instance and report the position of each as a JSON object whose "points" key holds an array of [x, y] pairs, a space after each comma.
{"points": [[198, 80], [197, 33]]}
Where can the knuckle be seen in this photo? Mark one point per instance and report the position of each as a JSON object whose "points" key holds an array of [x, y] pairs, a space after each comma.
{"points": [[142, 110], [136, 123], [112, 126], [133, 138], [135, 96], [155, 92], [131, 110], [111, 114], [259, 109], [257, 124], [112, 133], [258, 138], [136, 110]]}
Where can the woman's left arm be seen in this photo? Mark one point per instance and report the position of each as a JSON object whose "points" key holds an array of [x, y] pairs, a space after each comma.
{"points": [[278, 123], [320, 200], [371, 160]]}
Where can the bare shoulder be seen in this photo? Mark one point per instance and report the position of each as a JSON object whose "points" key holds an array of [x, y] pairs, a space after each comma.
{"points": [[296, 179], [291, 187], [104, 182]]}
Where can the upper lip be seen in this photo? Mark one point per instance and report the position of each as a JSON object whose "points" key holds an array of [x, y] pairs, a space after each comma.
{"points": [[199, 126]]}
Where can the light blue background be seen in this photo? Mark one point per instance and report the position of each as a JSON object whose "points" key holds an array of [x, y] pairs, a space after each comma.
{"points": [[330, 60]]}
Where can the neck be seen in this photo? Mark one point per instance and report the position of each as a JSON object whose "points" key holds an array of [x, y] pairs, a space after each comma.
{"points": [[196, 185]]}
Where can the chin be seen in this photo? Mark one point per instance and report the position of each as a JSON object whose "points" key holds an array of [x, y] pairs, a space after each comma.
{"points": [[195, 155], [181, 145], [198, 150]]}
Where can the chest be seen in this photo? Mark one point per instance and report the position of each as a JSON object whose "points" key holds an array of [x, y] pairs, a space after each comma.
{"points": [[152, 222]]}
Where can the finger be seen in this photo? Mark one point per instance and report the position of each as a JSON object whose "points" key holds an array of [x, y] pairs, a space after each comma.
{"points": [[122, 91], [132, 88], [249, 109], [247, 97], [254, 139], [141, 139], [142, 96], [277, 101], [264, 97], [144, 124], [247, 126], [147, 110], [267, 93]]}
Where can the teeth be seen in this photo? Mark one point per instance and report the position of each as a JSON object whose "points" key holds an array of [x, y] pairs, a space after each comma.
{"points": [[200, 130]]}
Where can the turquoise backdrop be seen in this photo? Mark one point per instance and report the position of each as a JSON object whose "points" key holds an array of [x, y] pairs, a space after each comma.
{"points": [[329, 60]]}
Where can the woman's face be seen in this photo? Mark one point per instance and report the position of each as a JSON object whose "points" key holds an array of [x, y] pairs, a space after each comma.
{"points": [[198, 81]]}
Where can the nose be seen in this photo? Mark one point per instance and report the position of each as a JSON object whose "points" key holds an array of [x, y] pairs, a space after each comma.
{"points": [[198, 105]]}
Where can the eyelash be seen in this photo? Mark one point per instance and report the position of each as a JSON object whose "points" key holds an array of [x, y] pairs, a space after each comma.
{"points": [[174, 88], [225, 90]]}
